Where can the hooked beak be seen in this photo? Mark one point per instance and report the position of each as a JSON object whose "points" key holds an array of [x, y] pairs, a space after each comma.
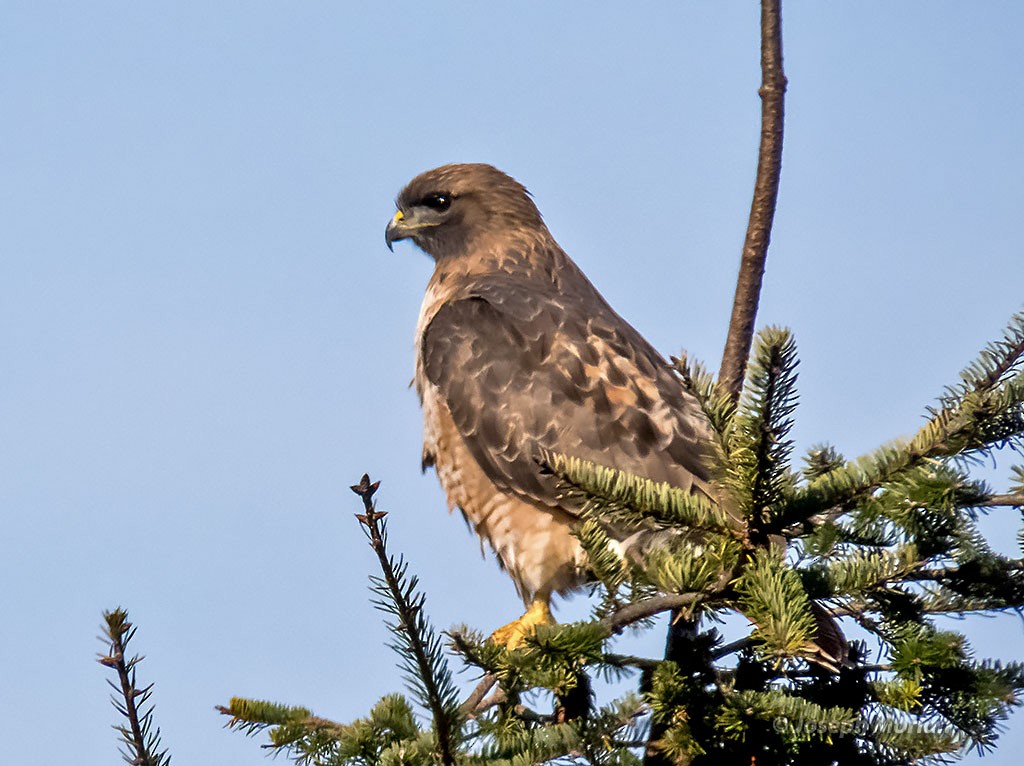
{"points": [[395, 230]]}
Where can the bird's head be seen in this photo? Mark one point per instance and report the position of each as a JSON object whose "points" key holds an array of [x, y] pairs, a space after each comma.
{"points": [[447, 210]]}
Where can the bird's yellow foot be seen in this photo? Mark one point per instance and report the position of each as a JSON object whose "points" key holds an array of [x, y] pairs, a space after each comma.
{"points": [[514, 634]]}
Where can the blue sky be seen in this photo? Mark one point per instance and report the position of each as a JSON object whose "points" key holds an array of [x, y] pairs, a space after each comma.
{"points": [[205, 341]]}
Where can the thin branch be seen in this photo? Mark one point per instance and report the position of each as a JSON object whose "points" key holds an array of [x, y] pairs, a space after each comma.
{"points": [[755, 249], [527, 714], [735, 646], [497, 698], [649, 607], [945, 573], [762, 207], [808, 525], [631, 661], [1000, 501], [878, 668], [523, 712], [923, 575], [859, 612], [409, 620], [473, 701], [142, 745]]}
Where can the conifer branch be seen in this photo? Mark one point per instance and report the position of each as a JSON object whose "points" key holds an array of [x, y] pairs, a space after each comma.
{"points": [[715, 402], [773, 598], [972, 426], [984, 411], [863, 571], [416, 638], [140, 740], [252, 716], [759, 451], [606, 564], [627, 498], [743, 707], [994, 363]]}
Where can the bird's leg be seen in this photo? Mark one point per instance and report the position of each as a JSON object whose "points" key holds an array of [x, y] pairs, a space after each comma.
{"points": [[514, 634]]}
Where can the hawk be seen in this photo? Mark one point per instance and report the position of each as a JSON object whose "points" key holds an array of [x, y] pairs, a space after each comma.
{"points": [[517, 352]]}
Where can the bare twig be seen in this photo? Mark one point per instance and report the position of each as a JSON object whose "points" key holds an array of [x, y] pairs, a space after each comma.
{"points": [[631, 661], [762, 207], [649, 607], [473, 703], [409, 620], [482, 704], [735, 646], [1000, 501], [754, 256], [497, 698], [808, 525]]}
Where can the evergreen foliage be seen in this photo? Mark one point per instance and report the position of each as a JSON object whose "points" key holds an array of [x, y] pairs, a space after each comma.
{"points": [[772, 596], [885, 542], [631, 500], [756, 472]]}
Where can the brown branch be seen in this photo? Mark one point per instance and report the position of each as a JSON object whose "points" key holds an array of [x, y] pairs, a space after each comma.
{"points": [[752, 261], [1000, 501], [316, 724], [762, 207], [649, 607], [473, 702], [497, 698], [631, 661], [476, 703]]}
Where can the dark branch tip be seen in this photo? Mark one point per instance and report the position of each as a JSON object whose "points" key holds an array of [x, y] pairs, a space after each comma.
{"points": [[365, 488]]}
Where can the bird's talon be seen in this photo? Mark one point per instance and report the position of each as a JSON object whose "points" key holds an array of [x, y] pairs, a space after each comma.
{"points": [[513, 635]]}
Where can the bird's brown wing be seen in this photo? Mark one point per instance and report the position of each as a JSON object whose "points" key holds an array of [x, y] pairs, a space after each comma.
{"points": [[523, 370]]}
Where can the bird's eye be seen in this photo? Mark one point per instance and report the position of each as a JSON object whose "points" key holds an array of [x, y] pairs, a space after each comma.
{"points": [[439, 202]]}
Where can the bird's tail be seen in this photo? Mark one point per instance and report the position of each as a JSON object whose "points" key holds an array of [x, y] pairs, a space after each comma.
{"points": [[832, 650]]}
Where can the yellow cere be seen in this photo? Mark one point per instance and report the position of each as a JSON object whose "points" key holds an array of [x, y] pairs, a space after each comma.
{"points": [[399, 216]]}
